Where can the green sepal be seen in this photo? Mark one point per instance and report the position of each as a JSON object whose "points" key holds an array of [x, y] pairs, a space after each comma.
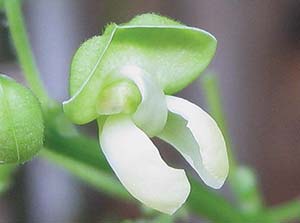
{"points": [[172, 53]]}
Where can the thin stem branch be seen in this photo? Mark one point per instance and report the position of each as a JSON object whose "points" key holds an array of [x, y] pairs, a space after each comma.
{"points": [[5, 176], [95, 177], [241, 180], [286, 212], [23, 49], [213, 97]]}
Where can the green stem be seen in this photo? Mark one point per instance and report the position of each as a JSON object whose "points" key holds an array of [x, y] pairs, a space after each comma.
{"points": [[80, 155], [95, 177], [5, 176], [286, 212], [23, 49], [244, 185], [211, 205], [213, 97], [242, 180]]}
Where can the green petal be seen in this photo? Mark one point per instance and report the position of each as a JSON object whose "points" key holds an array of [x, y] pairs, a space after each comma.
{"points": [[172, 53]]}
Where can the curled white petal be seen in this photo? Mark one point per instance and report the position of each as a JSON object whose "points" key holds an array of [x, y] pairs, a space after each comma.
{"points": [[198, 138], [151, 114], [139, 166]]}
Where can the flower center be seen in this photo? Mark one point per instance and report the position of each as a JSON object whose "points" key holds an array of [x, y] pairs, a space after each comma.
{"points": [[119, 97]]}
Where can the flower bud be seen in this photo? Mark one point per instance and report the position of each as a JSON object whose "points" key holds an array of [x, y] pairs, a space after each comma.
{"points": [[21, 122]]}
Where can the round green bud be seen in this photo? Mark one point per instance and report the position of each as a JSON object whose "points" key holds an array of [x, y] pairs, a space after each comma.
{"points": [[21, 122]]}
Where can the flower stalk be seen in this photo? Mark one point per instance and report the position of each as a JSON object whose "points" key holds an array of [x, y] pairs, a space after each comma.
{"points": [[23, 49], [242, 180]]}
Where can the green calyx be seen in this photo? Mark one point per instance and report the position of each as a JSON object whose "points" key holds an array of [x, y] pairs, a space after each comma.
{"points": [[119, 97], [21, 122], [171, 53]]}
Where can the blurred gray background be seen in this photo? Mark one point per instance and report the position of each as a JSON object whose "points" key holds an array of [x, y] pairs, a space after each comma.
{"points": [[257, 62]]}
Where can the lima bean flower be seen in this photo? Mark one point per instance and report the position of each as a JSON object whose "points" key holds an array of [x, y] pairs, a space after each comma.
{"points": [[124, 79]]}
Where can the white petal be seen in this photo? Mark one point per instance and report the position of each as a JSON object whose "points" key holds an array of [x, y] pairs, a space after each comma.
{"points": [[151, 114], [139, 166], [198, 138]]}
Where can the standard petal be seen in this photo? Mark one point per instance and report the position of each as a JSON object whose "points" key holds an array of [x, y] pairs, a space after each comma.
{"points": [[198, 138], [139, 167], [151, 114]]}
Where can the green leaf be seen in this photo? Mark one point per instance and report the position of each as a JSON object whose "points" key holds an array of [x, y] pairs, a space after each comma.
{"points": [[21, 122], [170, 52]]}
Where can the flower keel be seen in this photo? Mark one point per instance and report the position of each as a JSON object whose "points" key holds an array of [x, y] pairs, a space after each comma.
{"points": [[139, 166]]}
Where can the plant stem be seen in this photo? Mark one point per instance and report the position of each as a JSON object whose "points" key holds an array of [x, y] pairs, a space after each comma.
{"points": [[213, 98], [242, 180], [23, 49], [5, 176], [78, 154], [95, 177], [286, 212], [207, 203]]}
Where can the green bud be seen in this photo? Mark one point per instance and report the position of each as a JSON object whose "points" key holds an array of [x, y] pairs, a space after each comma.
{"points": [[245, 185], [21, 122]]}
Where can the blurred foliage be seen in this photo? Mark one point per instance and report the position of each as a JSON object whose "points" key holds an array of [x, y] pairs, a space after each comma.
{"points": [[158, 219]]}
